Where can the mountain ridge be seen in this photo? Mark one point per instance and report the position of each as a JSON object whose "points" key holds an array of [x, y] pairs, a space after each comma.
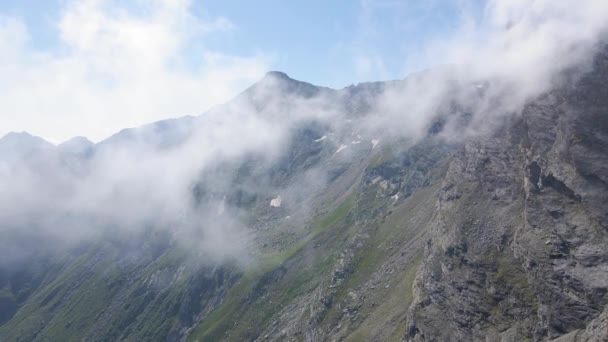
{"points": [[348, 232], [271, 76]]}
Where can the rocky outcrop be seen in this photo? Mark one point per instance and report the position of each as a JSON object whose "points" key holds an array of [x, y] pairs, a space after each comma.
{"points": [[518, 243]]}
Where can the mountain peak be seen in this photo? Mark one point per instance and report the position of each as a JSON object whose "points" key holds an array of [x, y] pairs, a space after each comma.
{"points": [[16, 135], [77, 146], [277, 75], [23, 138], [281, 83], [76, 143], [17, 145]]}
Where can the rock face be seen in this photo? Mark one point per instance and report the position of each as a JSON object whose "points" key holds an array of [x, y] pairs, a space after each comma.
{"points": [[518, 243], [501, 236]]}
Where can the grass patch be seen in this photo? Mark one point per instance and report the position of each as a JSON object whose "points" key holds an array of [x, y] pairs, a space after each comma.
{"points": [[241, 304], [381, 158], [390, 313]]}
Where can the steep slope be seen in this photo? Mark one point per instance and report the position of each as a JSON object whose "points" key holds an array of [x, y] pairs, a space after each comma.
{"points": [[353, 233], [506, 240], [147, 285], [518, 240]]}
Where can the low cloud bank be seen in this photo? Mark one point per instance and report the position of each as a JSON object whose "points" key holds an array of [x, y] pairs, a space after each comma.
{"points": [[146, 177]]}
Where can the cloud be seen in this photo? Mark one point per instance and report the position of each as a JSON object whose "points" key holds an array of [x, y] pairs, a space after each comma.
{"points": [[116, 67], [529, 40], [170, 177], [492, 65]]}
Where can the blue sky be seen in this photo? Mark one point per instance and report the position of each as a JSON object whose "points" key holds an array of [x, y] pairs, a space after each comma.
{"points": [[92, 67], [332, 43]]}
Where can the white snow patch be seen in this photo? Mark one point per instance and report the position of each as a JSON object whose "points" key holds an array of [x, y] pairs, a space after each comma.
{"points": [[321, 138], [395, 196], [479, 86], [356, 142], [374, 143], [287, 217], [276, 202], [342, 147]]}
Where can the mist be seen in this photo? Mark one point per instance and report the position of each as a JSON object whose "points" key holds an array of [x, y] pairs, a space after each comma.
{"points": [[148, 177]]}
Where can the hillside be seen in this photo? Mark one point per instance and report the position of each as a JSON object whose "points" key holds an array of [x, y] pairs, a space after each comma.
{"points": [[322, 219]]}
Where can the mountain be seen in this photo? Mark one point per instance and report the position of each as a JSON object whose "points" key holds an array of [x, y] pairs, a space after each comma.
{"points": [[20, 146], [313, 214], [80, 146]]}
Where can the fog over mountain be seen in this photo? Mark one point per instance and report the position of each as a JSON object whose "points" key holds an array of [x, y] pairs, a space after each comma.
{"points": [[464, 202]]}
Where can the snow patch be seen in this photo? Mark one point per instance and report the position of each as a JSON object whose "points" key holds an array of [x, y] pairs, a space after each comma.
{"points": [[395, 197], [276, 202], [321, 138], [356, 142], [342, 147], [374, 143]]}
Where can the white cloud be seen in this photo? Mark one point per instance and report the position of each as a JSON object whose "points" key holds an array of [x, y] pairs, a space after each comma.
{"points": [[112, 71], [116, 68], [521, 48]]}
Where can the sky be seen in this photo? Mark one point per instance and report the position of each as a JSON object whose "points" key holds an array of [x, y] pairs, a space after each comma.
{"points": [[92, 67], [331, 43]]}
